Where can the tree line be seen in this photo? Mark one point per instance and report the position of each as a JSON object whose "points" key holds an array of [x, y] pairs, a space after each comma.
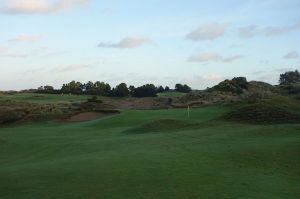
{"points": [[104, 89], [290, 81]]}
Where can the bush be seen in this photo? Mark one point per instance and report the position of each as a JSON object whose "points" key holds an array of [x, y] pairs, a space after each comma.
{"points": [[94, 99], [10, 116], [236, 85], [291, 89]]}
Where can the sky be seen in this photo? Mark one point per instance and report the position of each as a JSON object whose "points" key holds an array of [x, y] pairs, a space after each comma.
{"points": [[195, 42]]}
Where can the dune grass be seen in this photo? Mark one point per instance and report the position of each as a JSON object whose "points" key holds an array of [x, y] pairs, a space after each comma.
{"points": [[99, 159]]}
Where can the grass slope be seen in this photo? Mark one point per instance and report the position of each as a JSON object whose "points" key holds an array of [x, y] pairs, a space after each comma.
{"points": [[98, 159]]}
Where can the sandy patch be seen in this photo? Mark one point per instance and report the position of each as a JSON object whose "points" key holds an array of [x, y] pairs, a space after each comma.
{"points": [[87, 116]]}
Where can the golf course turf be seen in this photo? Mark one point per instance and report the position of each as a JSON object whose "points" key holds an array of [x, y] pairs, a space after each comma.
{"points": [[126, 156]]}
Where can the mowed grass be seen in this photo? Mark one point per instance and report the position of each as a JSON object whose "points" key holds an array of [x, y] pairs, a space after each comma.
{"points": [[171, 94], [44, 98], [108, 158]]}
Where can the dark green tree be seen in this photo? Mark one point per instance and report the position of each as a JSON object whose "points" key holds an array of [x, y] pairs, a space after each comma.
{"points": [[148, 90], [160, 89], [289, 77], [72, 87], [183, 88], [131, 89], [101, 88], [121, 90]]}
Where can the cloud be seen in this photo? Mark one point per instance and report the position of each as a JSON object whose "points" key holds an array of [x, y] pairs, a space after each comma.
{"points": [[291, 55], [56, 53], [39, 6], [206, 32], [248, 31], [4, 52], [205, 57], [269, 31], [233, 58], [213, 57], [128, 42], [26, 38], [279, 30]]}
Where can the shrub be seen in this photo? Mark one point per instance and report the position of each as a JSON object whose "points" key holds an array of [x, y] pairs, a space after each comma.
{"points": [[94, 99], [236, 85], [148, 90]]}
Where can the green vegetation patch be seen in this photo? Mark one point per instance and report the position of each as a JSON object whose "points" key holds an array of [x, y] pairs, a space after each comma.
{"points": [[162, 125], [171, 94], [44, 98], [263, 112], [2, 141]]}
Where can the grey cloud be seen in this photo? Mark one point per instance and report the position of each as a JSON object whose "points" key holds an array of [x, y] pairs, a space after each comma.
{"points": [[206, 32], [291, 55], [233, 58], [248, 31], [278, 30], [212, 57], [269, 31]]}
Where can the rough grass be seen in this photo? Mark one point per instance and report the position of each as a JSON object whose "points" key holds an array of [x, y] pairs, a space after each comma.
{"points": [[95, 159], [273, 110], [10, 116], [263, 113]]}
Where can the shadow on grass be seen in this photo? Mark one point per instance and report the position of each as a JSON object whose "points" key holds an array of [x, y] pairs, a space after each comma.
{"points": [[167, 126]]}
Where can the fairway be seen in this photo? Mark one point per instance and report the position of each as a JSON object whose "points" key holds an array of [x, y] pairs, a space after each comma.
{"points": [[44, 98], [125, 156]]}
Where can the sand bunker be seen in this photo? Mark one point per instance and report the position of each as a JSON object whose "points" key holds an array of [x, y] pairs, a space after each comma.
{"points": [[87, 116]]}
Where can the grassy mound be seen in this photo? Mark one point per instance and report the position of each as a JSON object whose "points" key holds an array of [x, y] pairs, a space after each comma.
{"points": [[263, 113], [161, 125]]}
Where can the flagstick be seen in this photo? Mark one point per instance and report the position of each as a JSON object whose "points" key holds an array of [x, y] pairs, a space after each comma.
{"points": [[189, 111]]}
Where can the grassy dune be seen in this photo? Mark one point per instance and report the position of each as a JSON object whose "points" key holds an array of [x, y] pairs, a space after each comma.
{"points": [[127, 157]]}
